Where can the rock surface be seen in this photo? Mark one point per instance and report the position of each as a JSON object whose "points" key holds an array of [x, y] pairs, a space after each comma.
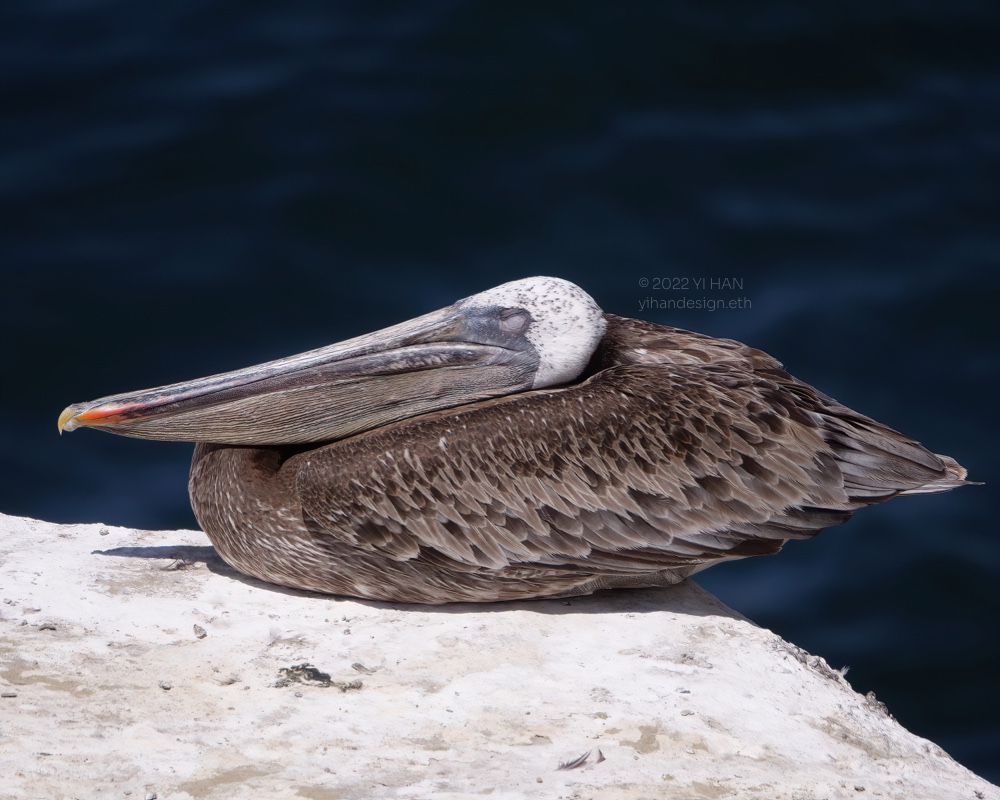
{"points": [[137, 664]]}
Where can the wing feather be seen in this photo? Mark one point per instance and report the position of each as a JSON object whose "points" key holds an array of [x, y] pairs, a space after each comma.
{"points": [[677, 453]]}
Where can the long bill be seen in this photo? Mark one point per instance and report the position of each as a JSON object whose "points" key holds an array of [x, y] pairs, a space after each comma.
{"points": [[436, 361]]}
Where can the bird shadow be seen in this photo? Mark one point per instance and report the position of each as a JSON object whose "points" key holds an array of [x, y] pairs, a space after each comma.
{"points": [[686, 598]]}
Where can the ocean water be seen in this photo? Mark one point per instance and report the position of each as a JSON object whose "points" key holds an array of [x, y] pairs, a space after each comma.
{"points": [[193, 187]]}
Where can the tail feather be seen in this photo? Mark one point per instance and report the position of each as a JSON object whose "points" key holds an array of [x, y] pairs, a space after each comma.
{"points": [[877, 462], [953, 478]]}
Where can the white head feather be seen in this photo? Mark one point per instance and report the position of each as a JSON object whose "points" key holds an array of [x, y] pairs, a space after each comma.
{"points": [[566, 327]]}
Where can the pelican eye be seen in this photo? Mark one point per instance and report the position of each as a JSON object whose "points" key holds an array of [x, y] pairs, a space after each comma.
{"points": [[514, 320]]}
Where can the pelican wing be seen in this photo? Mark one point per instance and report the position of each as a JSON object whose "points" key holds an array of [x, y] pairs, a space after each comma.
{"points": [[641, 468]]}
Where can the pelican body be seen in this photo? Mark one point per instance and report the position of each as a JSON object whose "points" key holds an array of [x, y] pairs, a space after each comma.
{"points": [[520, 443]]}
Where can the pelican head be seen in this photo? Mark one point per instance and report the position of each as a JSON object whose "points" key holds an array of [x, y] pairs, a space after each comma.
{"points": [[528, 334]]}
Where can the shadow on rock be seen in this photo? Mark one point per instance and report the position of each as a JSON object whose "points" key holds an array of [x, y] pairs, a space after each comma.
{"points": [[684, 598]]}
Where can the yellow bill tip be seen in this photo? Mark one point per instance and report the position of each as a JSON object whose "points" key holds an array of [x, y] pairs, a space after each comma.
{"points": [[66, 419]]}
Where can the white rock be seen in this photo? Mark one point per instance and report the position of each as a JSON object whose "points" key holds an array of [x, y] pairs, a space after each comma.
{"points": [[681, 696]]}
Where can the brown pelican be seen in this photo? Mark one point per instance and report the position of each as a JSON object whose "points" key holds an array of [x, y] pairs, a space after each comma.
{"points": [[519, 443]]}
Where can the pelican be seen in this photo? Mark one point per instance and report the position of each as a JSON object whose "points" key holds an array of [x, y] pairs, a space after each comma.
{"points": [[519, 443]]}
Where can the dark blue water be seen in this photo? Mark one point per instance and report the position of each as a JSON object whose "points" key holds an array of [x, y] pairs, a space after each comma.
{"points": [[197, 186]]}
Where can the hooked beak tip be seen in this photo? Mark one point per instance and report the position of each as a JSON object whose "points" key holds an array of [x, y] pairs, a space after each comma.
{"points": [[90, 415], [66, 419]]}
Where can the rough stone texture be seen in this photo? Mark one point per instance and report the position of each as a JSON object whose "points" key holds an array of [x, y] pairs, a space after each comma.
{"points": [[139, 673]]}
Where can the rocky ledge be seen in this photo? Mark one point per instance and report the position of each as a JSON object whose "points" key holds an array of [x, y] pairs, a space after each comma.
{"points": [[137, 664]]}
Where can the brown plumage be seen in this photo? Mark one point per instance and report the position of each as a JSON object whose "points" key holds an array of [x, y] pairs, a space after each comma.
{"points": [[519, 443], [675, 451]]}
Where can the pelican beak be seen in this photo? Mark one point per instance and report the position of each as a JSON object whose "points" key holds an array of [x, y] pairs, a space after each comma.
{"points": [[443, 359]]}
